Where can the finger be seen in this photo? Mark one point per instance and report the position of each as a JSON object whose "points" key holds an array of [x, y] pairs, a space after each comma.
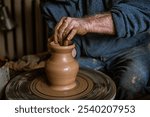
{"points": [[50, 39], [71, 34], [56, 30], [62, 28], [67, 30], [60, 23], [55, 37]]}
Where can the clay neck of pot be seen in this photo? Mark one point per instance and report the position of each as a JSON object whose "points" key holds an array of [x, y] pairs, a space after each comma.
{"points": [[56, 48]]}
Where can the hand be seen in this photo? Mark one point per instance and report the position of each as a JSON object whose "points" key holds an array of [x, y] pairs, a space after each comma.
{"points": [[50, 39], [68, 27]]}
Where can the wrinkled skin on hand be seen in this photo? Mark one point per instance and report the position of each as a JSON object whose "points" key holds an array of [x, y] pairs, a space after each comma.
{"points": [[68, 27]]}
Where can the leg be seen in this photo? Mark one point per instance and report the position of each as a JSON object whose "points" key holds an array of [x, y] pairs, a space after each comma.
{"points": [[92, 63], [94, 50], [102, 46], [130, 70]]}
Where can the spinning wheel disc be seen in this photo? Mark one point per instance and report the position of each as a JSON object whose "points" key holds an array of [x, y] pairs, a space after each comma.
{"points": [[33, 85]]}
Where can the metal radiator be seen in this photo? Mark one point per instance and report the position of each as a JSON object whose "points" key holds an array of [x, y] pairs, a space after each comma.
{"points": [[30, 34]]}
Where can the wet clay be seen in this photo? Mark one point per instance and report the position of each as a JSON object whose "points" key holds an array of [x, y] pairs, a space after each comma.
{"points": [[90, 84], [61, 68], [61, 79]]}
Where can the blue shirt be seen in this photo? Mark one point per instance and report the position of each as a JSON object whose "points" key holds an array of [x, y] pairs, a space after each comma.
{"points": [[131, 19]]}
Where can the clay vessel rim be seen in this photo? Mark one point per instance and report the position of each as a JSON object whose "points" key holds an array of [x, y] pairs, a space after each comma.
{"points": [[57, 46]]}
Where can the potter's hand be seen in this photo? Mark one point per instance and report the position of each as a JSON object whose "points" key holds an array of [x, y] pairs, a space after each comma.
{"points": [[50, 39], [68, 27]]}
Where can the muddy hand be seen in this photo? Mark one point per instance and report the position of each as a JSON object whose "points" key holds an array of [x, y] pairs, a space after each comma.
{"points": [[68, 27]]}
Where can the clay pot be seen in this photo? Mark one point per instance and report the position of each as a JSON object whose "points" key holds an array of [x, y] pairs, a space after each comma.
{"points": [[61, 67]]}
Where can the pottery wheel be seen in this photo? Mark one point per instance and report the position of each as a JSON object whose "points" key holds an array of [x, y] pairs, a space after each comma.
{"points": [[91, 85]]}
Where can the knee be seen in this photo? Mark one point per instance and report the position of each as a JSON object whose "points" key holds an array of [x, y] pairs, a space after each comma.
{"points": [[133, 82], [132, 78], [87, 62], [132, 85]]}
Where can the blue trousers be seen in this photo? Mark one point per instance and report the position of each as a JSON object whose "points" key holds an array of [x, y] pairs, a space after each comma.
{"points": [[125, 60], [129, 70], [128, 66]]}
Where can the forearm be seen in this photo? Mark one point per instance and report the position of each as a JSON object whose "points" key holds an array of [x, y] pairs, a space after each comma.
{"points": [[68, 27], [101, 23]]}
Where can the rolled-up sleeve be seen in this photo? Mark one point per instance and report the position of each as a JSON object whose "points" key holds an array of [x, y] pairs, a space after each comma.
{"points": [[131, 17]]}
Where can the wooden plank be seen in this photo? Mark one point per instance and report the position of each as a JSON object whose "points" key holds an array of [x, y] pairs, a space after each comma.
{"points": [[2, 45], [10, 35], [28, 26], [41, 30], [19, 35], [39, 34], [30, 34]]}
